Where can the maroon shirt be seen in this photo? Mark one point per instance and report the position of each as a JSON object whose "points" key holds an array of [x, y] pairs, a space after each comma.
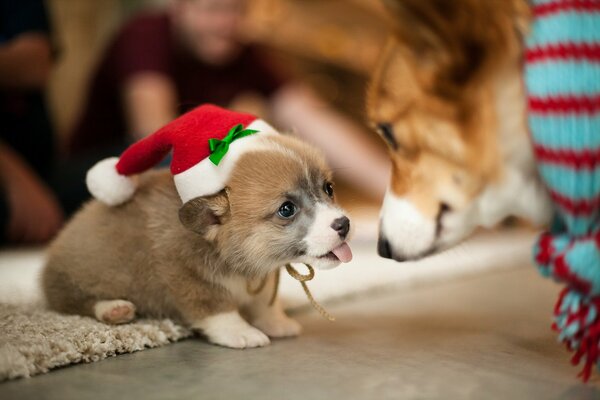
{"points": [[147, 43]]}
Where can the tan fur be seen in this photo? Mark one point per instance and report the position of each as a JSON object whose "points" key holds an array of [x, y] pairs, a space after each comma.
{"points": [[447, 97], [185, 262], [134, 252], [436, 83]]}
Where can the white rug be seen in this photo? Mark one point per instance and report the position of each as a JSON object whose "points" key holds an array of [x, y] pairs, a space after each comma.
{"points": [[366, 273]]}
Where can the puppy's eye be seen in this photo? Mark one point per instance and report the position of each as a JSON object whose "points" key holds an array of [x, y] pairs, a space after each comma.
{"points": [[386, 130], [287, 210], [328, 189]]}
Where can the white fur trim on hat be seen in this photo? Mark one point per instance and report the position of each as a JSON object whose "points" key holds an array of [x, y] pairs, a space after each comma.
{"points": [[107, 185], [206, 178], [262, 127]]}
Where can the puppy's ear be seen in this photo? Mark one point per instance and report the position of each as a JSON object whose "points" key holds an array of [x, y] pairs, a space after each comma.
{"points": [[203, 214]]}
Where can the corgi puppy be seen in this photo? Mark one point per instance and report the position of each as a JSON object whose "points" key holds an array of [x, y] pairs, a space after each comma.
{"points": [[447, 98], [195, 262]]}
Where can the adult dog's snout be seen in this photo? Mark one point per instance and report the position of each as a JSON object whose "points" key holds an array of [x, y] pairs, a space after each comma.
{"points": [[383, 247], [405, 233]]}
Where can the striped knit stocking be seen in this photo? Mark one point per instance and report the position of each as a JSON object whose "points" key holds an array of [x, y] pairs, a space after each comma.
{"points": [[563, 80]]}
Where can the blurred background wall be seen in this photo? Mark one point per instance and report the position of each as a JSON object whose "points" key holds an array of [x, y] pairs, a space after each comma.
{"points": [[330, 44]]}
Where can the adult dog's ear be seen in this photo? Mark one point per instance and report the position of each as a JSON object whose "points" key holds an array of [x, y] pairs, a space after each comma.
{"points": [[203, 215], [432, 33], [422, 24], [459, 39]]}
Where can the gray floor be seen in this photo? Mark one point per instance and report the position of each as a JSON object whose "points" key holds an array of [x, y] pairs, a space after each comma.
{"points": [[485, 337]]}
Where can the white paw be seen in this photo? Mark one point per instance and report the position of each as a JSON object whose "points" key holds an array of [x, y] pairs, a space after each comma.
{"points": [[241, 339], [114, 311], [231, 330], [278, 326]]}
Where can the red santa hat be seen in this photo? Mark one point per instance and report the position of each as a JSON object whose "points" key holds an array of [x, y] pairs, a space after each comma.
{"points": [[206, 144]]}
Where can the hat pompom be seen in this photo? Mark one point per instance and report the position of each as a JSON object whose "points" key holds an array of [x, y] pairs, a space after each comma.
{"points": [[108, 186]]}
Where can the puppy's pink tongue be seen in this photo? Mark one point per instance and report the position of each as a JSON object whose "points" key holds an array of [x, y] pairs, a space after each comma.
{"points": [[343, 252]]}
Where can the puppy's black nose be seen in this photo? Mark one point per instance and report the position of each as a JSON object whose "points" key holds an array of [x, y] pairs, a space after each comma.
{"points": [[383, 248], [341, 226]]}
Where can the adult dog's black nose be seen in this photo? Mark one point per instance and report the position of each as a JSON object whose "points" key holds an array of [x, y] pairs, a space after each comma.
{"points": [[341, 226], [383, 248]]}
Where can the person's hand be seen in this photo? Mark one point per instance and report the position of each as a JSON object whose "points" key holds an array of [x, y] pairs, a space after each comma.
{"points": [[35, 216], [34, 213]]}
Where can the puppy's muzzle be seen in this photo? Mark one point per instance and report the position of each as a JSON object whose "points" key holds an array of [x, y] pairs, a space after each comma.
{"points": [[341, 226]]}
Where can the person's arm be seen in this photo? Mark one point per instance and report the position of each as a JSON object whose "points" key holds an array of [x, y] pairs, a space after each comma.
{"points": [[350, 154], [26, 61], [35, 215], [150, 102]]}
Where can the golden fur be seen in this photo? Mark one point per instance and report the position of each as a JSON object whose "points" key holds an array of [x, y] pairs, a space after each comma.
{"points": [[446, 97], [436, 83]]}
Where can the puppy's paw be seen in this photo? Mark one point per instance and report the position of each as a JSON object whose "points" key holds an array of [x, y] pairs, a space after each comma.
{"points": [[114, 311], [278, 325], [246, 338], [231, 330]]}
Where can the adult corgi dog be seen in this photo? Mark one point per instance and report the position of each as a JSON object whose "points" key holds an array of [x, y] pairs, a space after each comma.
{"points": [[448, 99]]}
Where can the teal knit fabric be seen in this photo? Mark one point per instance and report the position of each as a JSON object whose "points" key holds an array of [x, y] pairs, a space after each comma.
{"points": [[562, 76]]}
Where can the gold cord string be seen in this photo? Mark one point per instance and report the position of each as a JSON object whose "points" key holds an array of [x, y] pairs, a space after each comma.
{"points": [[275, 287], [303, 279], [300, 278], [258, 289], [254, 291]]}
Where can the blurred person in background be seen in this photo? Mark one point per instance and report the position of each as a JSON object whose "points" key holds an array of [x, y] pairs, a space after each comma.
{"points": [[29, 211], [161, 65]]}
